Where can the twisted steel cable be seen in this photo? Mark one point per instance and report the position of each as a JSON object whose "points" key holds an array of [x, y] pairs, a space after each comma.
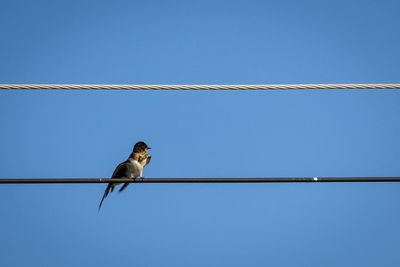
{"points": [[193, 86]]}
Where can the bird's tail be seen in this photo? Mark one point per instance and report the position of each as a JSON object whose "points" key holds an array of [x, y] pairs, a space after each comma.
{"points": [[123, 187], [109, 187]]}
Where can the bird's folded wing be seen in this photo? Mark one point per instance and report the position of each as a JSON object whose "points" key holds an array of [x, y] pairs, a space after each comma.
{"points": [[120, 171], [145, 160]]}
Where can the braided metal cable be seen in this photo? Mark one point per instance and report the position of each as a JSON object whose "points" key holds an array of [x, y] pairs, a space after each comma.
{"points": [[193, 86]]}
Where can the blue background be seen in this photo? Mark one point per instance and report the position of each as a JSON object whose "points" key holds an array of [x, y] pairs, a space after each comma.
{"points": [[78, 134]]}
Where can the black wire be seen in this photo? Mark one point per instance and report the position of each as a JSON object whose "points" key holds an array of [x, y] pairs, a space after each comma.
{"points": [[198, 180]]}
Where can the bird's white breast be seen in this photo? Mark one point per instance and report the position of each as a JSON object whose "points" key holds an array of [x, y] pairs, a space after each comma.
{"points": [[137, 168]]}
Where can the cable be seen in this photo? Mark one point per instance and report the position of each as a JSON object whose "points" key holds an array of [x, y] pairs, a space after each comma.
{"points": [[198, 180], [192, 87]]}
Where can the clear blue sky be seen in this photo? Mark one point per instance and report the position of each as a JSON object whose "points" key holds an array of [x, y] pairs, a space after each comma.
{"points": [[78, 134]]}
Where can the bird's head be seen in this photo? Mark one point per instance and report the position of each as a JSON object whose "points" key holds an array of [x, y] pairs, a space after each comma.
{"points": [[140, 148]]}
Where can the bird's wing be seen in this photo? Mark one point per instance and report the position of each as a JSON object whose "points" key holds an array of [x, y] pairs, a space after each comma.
{"points": [[148, 160], [145, 160], [121, 169], [123, 187]]}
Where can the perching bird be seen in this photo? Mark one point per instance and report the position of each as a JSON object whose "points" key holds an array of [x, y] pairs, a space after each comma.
{"points": [[131, 168]]}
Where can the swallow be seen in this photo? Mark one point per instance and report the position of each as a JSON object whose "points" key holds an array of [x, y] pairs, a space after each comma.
{"points": [[132, 168]]}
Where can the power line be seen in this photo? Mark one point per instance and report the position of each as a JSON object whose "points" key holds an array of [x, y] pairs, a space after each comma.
{"points": [[198, 180], [194, 86]]}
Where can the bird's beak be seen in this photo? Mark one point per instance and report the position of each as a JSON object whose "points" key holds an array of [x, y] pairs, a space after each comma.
{"points": [[148, 147]]}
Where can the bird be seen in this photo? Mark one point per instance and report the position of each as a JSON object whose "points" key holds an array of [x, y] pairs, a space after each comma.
{"points": [[131, 168]]}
